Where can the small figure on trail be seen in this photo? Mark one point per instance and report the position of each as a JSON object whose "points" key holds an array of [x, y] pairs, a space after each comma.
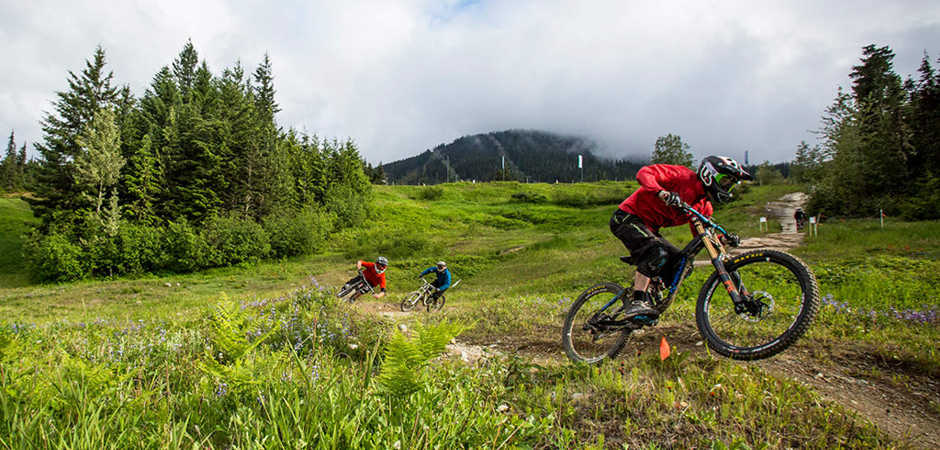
{"points": [[374, 274], [638, 219], [443, 278], [800, 218]]}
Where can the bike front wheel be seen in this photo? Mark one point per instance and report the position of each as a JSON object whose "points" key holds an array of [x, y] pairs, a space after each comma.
{"points": [[780, 300], [410, 301], [587, 334]]}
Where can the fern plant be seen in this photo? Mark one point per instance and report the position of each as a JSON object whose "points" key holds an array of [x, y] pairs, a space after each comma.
{"points": [[229, 327], [404, 370]]}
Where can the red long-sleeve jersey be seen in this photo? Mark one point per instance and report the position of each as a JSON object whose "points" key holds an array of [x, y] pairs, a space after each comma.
{"points": [[645, 204], [373, 276]]}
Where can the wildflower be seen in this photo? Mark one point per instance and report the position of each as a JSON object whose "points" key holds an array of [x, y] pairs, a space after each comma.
{"points": [[221, 389]]}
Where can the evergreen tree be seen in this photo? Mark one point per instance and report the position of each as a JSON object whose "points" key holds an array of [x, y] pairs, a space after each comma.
{"points": [[925, 119], [86, 95], [8, 166], [98, 167], [21, 164], [264, 91], [143, 181], [184, 69], [806, 165], [670, 149]]}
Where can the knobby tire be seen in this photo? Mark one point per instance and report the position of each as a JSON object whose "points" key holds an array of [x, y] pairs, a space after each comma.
{"points": [[617, 340], [713, 291]]}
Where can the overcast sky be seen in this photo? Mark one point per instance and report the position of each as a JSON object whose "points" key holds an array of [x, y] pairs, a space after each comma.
{"points": [[399, 77]]}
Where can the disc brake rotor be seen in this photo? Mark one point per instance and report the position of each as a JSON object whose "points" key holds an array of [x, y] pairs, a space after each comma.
{"points": [[763, 305]]}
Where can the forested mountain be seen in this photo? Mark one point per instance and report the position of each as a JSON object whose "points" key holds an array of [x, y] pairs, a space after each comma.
{"points": [[529, 156]]}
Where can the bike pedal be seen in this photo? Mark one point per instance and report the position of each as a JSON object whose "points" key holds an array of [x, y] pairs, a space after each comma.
{"points": [[645, 320]]}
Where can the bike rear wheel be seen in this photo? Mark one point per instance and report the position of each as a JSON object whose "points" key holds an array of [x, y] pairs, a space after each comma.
{"points": [[782, 299], [436, 305], [345, 290], [410, 301], [583, 337]]}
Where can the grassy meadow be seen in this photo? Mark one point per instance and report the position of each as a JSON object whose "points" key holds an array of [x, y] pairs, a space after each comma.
{"points": [[263, 356]]}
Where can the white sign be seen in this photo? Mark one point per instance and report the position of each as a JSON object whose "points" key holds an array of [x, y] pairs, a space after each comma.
{"points": [[763, 219], [579, 162], [812, 219]]}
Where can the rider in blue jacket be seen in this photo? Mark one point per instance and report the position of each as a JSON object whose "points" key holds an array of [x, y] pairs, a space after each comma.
{"points": [[443, 278]]}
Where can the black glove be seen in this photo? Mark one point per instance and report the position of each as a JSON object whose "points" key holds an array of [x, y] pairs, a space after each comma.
{"points": [[672, 199]]}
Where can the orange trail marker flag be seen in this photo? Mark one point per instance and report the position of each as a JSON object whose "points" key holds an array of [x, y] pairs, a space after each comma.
{"points": [[663, 349]]}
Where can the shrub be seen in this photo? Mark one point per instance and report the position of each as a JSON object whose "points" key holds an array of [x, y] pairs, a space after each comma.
{"points": [[350, 207], [186, 249], [391, 243], [577, 200], [233, 240], [529, 197], [142, 248], [293, 233], [431, 193], [54, 258]]}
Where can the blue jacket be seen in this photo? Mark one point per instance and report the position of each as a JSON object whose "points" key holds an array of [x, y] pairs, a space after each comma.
{"points": [[443, 278]]}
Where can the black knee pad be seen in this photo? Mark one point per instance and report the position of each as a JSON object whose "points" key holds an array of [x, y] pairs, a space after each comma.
{"points": [[653, 261]]}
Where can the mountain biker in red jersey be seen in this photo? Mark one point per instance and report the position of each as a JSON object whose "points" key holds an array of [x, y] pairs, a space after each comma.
{"points": [[638, 219], [374, 274]]}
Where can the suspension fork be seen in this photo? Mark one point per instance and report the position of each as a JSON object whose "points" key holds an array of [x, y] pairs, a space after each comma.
{"points": [[731, 285]]}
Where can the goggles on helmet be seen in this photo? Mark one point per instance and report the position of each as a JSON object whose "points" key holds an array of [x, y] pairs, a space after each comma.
{"points": [[726, 182]]}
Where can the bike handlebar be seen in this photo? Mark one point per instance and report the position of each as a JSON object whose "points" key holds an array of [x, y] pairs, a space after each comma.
{"points": [[688, 209]]}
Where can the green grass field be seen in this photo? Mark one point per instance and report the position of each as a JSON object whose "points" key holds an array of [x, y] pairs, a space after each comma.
{"points": [[15, 219], [263, 356]]}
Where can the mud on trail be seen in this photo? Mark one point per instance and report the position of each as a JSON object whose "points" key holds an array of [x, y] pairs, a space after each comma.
{"points": [[897, 398]]}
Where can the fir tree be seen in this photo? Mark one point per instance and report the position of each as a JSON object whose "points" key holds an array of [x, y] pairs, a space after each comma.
{"points": [[86, 95], [8, 166], [184, 69], [143, 182], [264, 91]]}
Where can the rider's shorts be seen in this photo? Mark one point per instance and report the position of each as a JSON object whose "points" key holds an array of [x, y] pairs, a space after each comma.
{"points": [[648, 249]]}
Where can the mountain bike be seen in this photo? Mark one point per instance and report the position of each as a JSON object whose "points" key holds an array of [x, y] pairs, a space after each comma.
{"points": [[423, 296], [772, 298], [357, 287]]}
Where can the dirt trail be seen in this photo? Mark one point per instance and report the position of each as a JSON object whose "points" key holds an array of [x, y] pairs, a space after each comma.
{"points": [[895, 398], [782, 211]]}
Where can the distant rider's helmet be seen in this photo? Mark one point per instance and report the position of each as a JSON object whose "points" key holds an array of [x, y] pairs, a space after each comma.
{"points": [[441, 265], [719, 175], [381, 263]]}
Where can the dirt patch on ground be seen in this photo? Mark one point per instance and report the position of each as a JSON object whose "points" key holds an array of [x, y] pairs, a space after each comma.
{"points": [[900, 408]]}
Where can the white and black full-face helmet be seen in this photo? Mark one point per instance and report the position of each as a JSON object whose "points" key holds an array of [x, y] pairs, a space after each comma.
{"points": [[719, 175], [381, 263], [441, 266]]}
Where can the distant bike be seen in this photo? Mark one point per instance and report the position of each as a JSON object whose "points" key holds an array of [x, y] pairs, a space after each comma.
{"points": [[800, 224], [772, 298], [357, 288], [423, 296]]}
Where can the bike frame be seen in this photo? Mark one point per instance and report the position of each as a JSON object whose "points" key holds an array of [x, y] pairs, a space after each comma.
{"points": [[705, 238]]}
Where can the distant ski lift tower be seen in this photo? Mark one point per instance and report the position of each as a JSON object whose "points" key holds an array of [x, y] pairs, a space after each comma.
{"points": [[581, 166]]}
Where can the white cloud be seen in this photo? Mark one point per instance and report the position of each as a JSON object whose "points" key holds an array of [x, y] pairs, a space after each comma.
{"points": [[400, 77]]}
